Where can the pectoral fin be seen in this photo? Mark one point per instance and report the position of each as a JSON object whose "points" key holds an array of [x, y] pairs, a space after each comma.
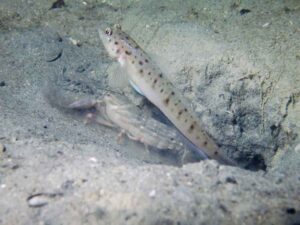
{"points": [[136, 88]]}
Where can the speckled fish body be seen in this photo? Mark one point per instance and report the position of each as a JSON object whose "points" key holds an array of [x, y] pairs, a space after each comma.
{"points": [[145, 76]]}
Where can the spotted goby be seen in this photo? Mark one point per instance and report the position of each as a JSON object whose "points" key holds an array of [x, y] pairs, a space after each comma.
{"points": [[148, 80]]}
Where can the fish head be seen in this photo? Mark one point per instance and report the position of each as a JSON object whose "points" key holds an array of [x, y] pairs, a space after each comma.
{"points": [[110, 38]]}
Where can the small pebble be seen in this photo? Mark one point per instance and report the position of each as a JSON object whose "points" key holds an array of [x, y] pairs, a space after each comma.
{"points": [[38, 200], [189, 183], [2, 84], [101, 192], [75, 42], [152, 194], [58, 4], [266, 25], [244, 11], [93, 159], [231, 180], [42, 199]]}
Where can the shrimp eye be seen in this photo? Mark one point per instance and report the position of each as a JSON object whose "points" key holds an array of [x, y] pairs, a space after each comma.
{"points": [[108, 31], [118, 26]]}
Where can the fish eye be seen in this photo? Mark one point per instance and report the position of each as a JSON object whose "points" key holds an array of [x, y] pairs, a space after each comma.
{"points": [[108, 31]]}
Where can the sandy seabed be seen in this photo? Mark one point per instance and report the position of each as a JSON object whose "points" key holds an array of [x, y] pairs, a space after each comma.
{"points": [[238, 62]]}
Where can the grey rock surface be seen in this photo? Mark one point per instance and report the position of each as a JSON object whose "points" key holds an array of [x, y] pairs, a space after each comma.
{"points": [[239, 69]]}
